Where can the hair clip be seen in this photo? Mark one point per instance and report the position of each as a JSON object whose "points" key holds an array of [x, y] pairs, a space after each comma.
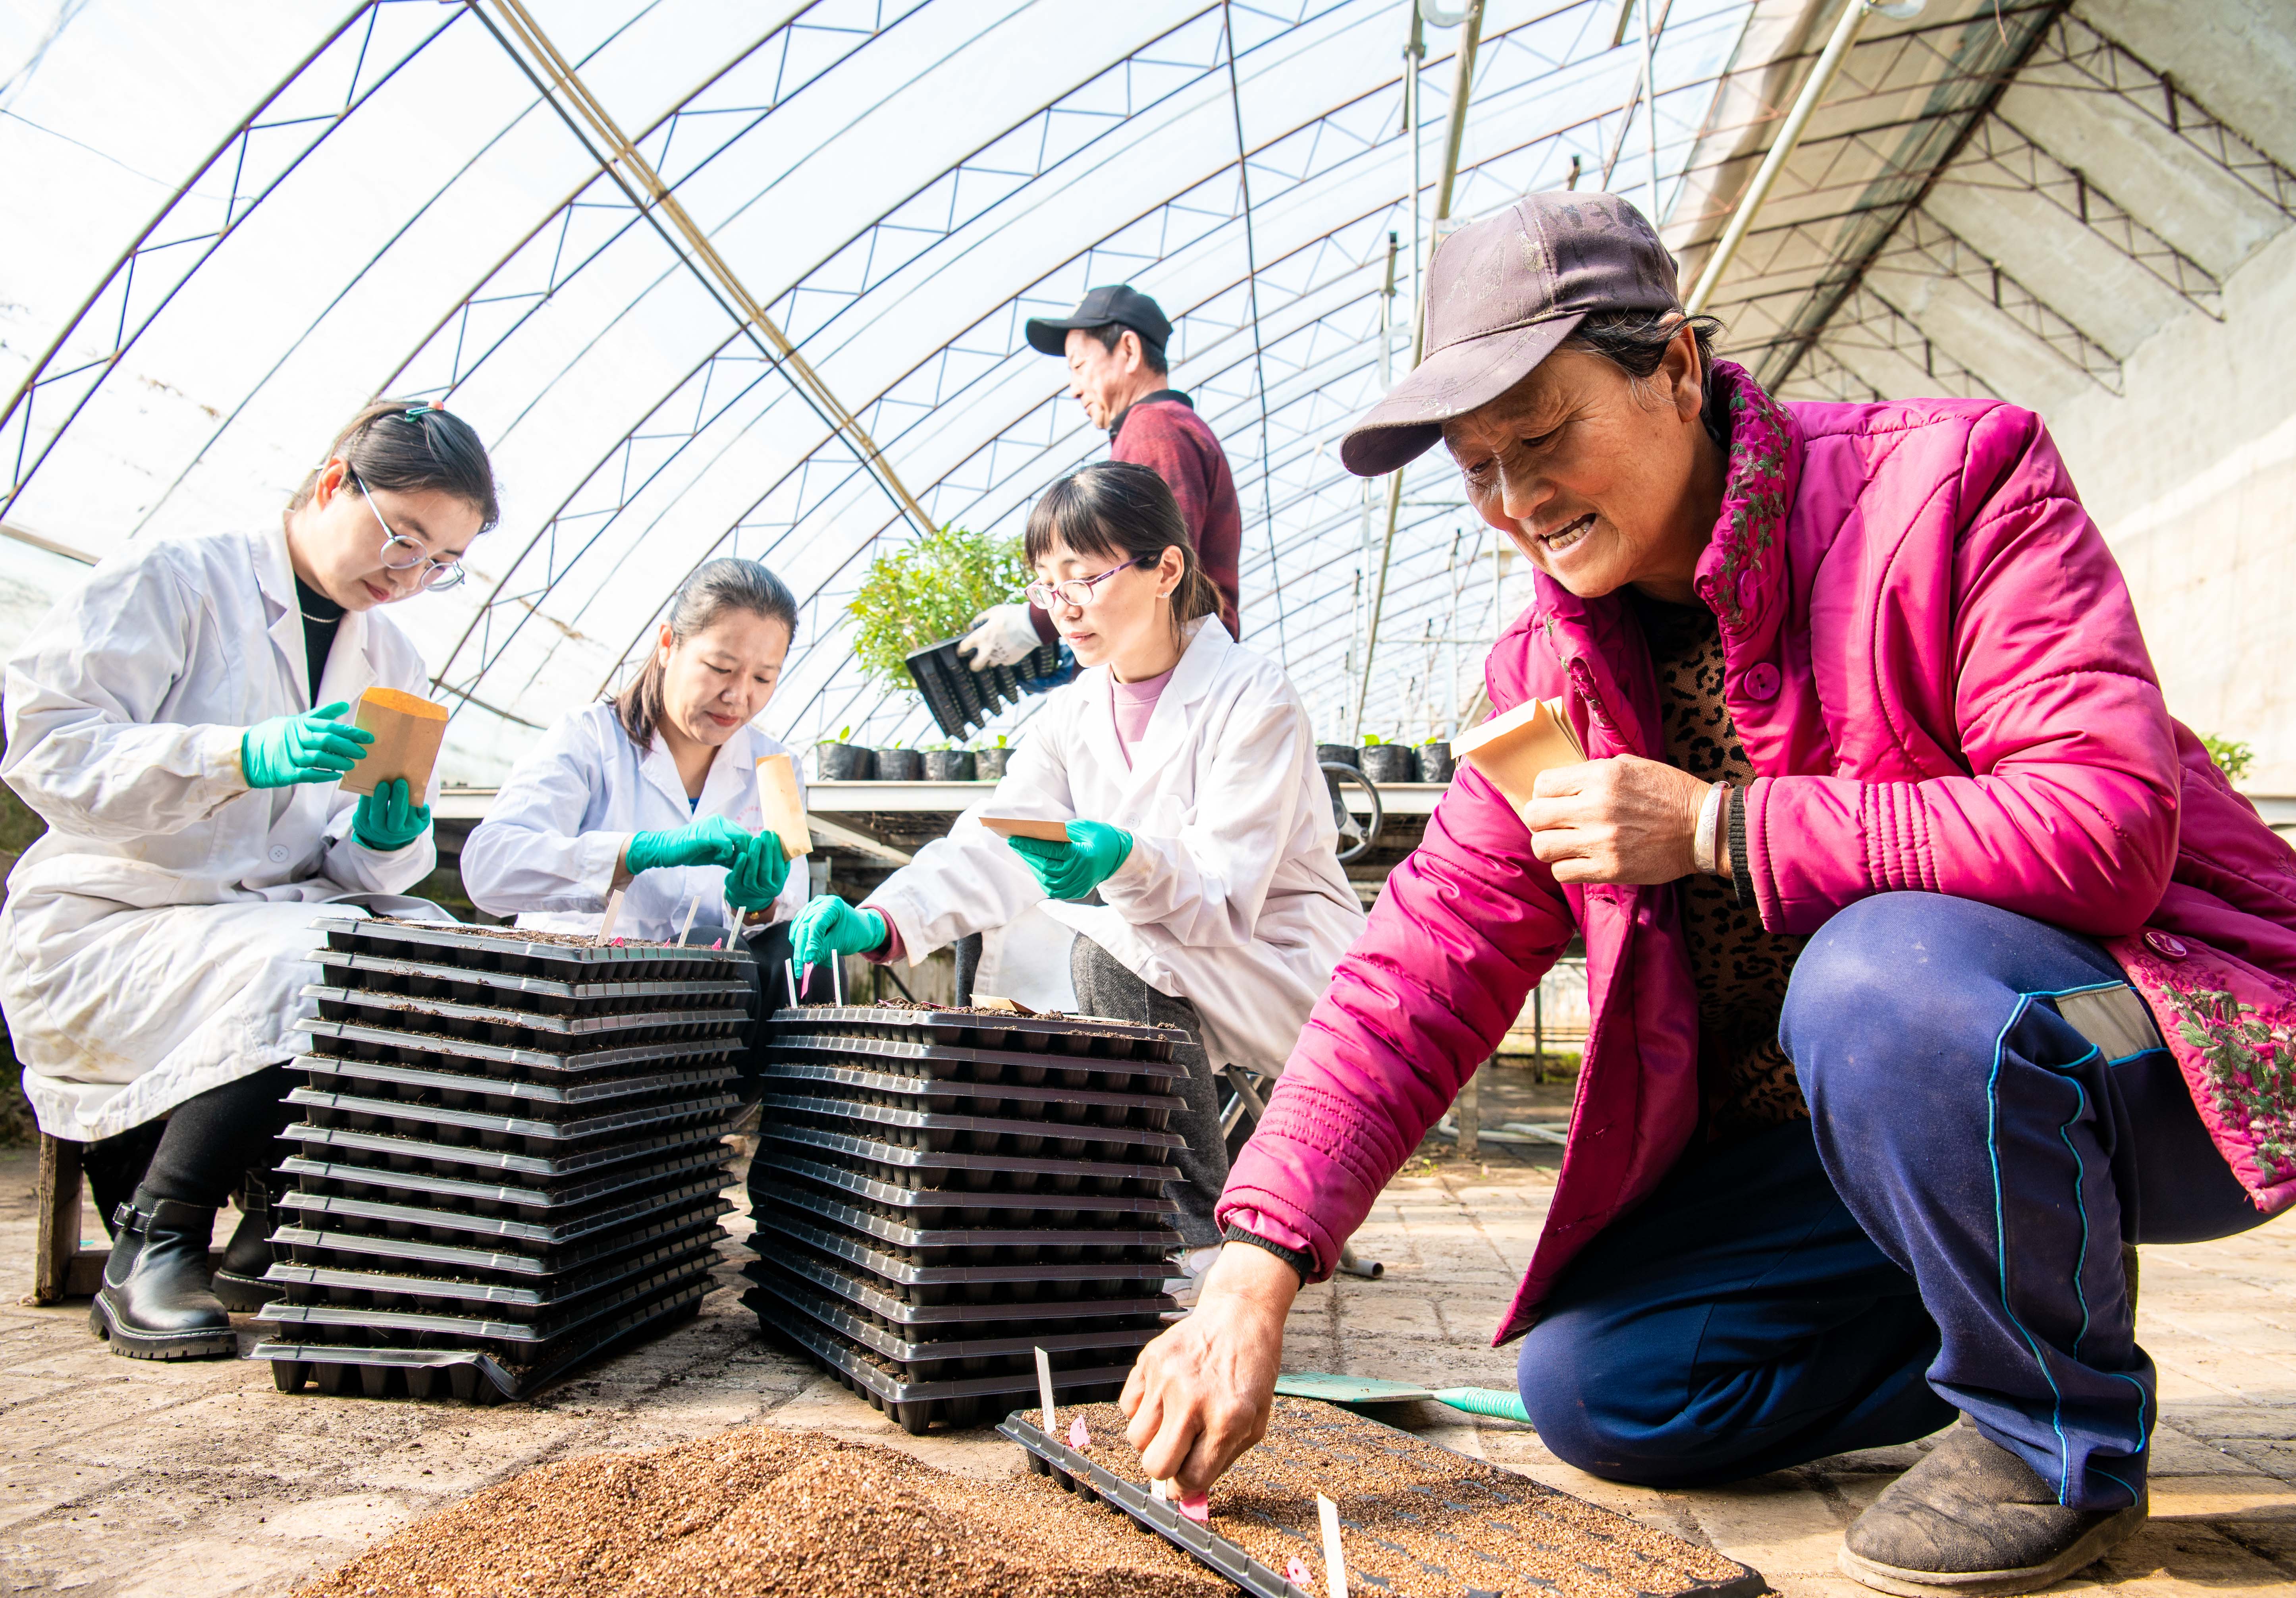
{"points": [[416, 412]]}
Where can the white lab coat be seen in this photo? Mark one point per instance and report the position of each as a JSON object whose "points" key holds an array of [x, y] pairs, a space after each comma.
{"points": [[156, 940], [1233, 897], [546, 851]]}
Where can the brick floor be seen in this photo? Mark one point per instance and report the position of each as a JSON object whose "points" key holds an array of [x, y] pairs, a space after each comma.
{"points": [[122, 1476]]}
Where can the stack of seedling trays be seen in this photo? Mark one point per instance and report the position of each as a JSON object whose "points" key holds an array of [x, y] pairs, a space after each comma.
{"points": [[963, 700], [512, 1155], [937, 1193]]}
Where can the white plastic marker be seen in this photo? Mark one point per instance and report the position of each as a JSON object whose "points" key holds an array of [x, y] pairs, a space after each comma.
{"points": [[693, 909], [791, 966], [613, 914], [1335, 1558], [837, 978], [1044, 1389]]}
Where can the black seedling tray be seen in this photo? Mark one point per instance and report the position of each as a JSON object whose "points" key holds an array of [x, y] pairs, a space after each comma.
{"points": [[504, 950], [889, 1309], [501, 1097], [389, 1156], [326, 1323], [1058, 1245], [1062, 1036], [1066, 1105], [550, 1130], [345, 1180], [356, 1250], [937, 1284], [951, 1062], [331, 1287], [984, 1134], [931, 1359], [525, 1029], [939, 1207], [425, 979], [962, 699], [959, 1402], [432, 1052], [560, 1227], [976, 1176], [475, 1375]]}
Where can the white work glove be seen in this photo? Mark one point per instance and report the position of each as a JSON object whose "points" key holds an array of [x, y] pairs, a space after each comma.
{"points": [[1003, 635]]}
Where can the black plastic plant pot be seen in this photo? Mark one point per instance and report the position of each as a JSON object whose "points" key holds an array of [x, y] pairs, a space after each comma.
{"points": [[1435, 762], [1346, 754], [899, 765], [948, 765], [843, 762], [1390, 763], [988, 764]]}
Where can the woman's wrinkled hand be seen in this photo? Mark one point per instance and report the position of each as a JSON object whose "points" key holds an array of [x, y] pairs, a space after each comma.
{"points": [[1201, 1394], [1621, 820]]}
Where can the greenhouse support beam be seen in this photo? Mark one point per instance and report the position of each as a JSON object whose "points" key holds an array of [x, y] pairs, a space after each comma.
{"points": [[561, 73], [1470, 36]]}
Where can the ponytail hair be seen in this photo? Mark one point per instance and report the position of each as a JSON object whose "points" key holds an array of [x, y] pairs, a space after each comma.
{"points": [[409, 446], [714, 588], [1122, 511]]}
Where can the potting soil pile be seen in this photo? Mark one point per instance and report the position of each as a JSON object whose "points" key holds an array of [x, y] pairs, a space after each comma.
{"points": [[938, 1193], [512, 1155], [758, 1511], [1418, 1520]]}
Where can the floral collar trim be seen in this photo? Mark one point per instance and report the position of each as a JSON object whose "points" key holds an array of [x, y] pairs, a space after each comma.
{"points": [[1756, 491]]}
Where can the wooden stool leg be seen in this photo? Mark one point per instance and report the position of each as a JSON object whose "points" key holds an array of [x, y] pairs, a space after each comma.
{"points": [[57, 1196]]}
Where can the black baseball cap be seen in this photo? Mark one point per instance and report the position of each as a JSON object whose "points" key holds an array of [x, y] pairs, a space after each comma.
{"points": [[1120, 303]]}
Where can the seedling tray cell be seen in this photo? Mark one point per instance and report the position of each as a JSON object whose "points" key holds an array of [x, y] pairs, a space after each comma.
{"points": [[939, 1284], [328, 1323], [977, 1173], [931, 1359], [521, 953], [386, 1154], [1417, 1520], [952, 1062], [342, 1179], [500, 1096], [474, 1375], [435, 1051], [941, 1206], [552, 1130], [425, 979], [490, 1023], [1074, 1035], [539, 1234], [355, 1250], [984, 1134], [944, 1095], [1058, 1245], [958, 1402], [889, 1309], [318, 1286]]}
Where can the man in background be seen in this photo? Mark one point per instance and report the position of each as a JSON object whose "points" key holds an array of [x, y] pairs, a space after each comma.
{"points": [[1114, 346]]}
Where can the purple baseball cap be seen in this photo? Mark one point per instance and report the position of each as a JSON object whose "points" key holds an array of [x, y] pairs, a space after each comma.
{"points": [[1501, 295]]}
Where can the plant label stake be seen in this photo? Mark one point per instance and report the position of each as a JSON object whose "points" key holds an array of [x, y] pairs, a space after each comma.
{"points": [[613, 914], [1044, 1389], [791, 966], [693, 909], [1335, 1559], [837, 979]]}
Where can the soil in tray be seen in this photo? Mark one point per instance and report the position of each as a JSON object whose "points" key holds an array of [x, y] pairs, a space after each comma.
{"points": [[760, 1511], [1418, 1519]]}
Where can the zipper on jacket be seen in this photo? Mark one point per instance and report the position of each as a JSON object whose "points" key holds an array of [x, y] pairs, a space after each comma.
{"points": [[1582, 680]]}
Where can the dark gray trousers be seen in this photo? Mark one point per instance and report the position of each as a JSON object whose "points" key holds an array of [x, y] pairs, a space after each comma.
{"points": [[1105, 986]]}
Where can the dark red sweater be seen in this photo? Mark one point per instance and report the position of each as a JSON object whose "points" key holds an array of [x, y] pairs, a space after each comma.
{"points": [[1163, 432]]}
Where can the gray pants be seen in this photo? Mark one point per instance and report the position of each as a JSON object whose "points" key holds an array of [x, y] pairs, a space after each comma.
{"points": [[1105, 986]]}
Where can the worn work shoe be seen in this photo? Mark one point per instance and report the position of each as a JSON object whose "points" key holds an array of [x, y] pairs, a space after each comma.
{"points": [[1972, 1519], [238, 1285], [155, 1303]]}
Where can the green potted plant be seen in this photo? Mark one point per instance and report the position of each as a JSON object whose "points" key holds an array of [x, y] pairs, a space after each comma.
{"points": [[944, 762], [842, 760], [897, 764], [1384, 761], [916, 601], [989, 760]]}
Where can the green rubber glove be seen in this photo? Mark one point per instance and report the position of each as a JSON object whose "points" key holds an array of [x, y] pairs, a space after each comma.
{"points": [[385, 821], [828, 925], [712, 841], [316, 747], [1095, 853], [755, 880]]}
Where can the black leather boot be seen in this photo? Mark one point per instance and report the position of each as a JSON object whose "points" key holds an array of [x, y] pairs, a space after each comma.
{"points": [[155, 1302], [238, 1285], [1973, 1520]]}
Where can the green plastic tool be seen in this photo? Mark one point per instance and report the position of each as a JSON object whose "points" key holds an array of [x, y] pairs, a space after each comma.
{"points": [[1370, 1390]]}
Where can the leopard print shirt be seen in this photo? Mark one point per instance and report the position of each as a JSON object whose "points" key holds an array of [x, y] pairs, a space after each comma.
{"points": [[1746, 1083]]}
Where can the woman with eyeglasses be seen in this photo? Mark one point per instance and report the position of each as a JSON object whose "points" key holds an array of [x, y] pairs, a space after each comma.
{"points": [[1199, 883], [181, 722]]}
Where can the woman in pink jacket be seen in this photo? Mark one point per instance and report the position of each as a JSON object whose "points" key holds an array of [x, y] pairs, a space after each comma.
{"points": [[1930, 961]]}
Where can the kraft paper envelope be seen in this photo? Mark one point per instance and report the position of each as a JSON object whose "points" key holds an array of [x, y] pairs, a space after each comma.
{"points": [[779, 804], [1512, 750], [408, 732], [1026, 827]]}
